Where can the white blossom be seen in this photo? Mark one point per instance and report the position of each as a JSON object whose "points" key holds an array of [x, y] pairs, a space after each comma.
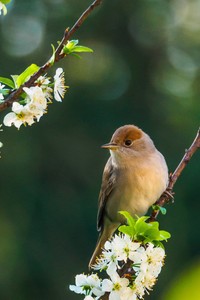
{"points": [[144, 282], [89, 298], [44, 82], [36, 96], [149, 263], [116, 287], [36, 101], [87, 285], [19, 115], [80, 282], [108, 260], [139, 288], [124, 247], [150, 259], [129, 294], [146, 263], [59, 85], [119, 248], [3, 9], [95, 284], [34, 108]]}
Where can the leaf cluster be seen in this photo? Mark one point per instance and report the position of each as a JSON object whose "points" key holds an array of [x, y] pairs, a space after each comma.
{"points": [[139, 230], [18, 80], [73, 48]]}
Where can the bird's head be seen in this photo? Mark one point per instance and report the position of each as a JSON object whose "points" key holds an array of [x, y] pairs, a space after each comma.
{"points": [[128, 141]]}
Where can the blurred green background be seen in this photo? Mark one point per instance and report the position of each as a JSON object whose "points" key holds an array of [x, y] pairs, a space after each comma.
{"points": [[145, 70]]}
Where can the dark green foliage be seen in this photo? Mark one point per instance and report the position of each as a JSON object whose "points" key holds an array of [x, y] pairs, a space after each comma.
{"points": [[139, 230]]}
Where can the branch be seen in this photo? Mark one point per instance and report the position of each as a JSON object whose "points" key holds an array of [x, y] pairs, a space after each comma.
{"points": [[167, 195], [68, 33], [58, 56]]}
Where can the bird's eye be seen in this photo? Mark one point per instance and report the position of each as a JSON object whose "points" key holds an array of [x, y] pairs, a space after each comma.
{"points": [[128, 143]]}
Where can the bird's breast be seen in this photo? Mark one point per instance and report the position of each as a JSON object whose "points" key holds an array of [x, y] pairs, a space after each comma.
{"points": [[138, 186]]}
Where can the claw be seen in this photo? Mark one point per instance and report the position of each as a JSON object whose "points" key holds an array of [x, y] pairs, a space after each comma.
{"points": [[169, 194]]}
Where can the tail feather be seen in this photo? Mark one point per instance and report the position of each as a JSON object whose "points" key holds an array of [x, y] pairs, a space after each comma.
{"points": [[98, 249], [103, 237]]}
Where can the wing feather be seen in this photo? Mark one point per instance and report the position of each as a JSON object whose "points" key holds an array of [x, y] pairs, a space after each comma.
{"points": [[107, 187]]}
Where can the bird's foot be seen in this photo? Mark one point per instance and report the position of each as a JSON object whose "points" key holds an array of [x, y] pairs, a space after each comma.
{"points": [[169, 195]]}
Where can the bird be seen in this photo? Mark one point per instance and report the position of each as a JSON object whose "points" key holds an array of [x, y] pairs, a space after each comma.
{"points": [[134, 177]]}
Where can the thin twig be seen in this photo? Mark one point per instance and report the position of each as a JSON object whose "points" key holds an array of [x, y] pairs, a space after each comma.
{"points": [[14, 96], [68, 33]]}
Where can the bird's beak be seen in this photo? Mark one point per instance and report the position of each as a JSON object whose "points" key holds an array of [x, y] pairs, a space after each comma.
{"points": [[110, 146]]}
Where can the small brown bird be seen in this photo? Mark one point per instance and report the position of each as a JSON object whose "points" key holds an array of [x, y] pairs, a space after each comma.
{"points": [[134, 177]]}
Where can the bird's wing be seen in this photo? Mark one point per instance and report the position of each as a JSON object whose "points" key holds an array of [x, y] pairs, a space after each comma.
{"points": [[107, 187]]}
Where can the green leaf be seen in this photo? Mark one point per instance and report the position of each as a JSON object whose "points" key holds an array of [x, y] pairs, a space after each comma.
{"points": [[140, 230], [71, 47], [82, 49], [159, 208], [130, 220], [26, 74], [163, 210], [164, 235], [66, 50], [5, 1], [151, 234], [76, 55], [71, 44], [141, 225], [154, 225], [158, 244], [8, 82], [14, 77], [146, 232], [52, 58], [127, 230]]}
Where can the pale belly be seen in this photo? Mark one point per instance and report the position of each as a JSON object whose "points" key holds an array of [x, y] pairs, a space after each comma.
{"points": [[136, 194]]}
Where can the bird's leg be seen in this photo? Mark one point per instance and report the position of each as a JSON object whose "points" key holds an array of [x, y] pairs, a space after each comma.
{"points": [[168, 194]]}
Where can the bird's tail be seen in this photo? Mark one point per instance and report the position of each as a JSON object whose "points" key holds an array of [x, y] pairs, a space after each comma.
{"points": [[103, 237], [98, 250]]}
